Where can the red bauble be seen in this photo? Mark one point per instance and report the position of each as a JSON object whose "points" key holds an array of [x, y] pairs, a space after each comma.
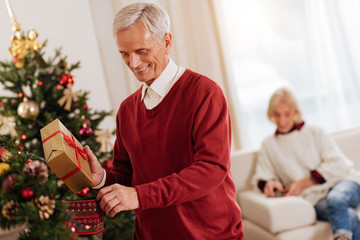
{"points": [[27, 193], [8, 182], [2, 151], [66, 79], [85, 132], [108, 164], [84, 192]]}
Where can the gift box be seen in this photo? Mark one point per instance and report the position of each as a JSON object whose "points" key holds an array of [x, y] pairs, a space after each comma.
{"points": [[66, 156], [87, 215]]}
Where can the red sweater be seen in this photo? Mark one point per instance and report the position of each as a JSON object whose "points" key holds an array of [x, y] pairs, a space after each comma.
{"points": [[177, 156]]}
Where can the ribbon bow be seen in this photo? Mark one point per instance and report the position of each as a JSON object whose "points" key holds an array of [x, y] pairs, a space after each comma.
{"points": [[20, 47], [78, 150], [104, 139], [68, 97], [8, 124]]}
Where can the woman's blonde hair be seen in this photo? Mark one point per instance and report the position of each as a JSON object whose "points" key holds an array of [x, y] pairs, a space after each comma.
{"points": [[286, 96]]}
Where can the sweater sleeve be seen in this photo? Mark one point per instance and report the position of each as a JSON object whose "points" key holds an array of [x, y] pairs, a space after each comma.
{"points": [[122, 169], [264, 170], [334, 163], [211, 137]]}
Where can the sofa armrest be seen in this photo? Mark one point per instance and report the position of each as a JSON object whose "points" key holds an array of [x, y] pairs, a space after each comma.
{"points": [[276, 214]]}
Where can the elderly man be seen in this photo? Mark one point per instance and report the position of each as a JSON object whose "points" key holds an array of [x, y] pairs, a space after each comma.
{"points": [[171, 161]]}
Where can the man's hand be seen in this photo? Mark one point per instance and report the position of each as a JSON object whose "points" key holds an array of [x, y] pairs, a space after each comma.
{"points": [[116, 198], [271, 187], [97, 172], [296, 188]]}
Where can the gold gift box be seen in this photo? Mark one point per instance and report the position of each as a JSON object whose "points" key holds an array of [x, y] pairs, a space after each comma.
{"points": [[65, 156]]}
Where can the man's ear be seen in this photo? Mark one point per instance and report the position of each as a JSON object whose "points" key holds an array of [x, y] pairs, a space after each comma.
{"points": [[168, 42]]}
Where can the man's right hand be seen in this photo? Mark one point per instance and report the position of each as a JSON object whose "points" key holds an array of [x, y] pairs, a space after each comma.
{"points": [[273, 188], [97, 171]]}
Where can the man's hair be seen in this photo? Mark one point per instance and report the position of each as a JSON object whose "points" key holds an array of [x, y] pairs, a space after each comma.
{"points": [[155, 19], [286, 96]]}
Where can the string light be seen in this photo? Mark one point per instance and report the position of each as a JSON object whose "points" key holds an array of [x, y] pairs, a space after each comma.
{"points": [[20, 94], [40, 83], [23, 137]]}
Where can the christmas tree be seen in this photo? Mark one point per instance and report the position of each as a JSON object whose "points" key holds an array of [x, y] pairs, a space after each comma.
{"points": [[40, 91]]}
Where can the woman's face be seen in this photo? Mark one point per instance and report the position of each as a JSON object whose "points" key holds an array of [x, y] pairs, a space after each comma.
{"points": [[284, 117]]}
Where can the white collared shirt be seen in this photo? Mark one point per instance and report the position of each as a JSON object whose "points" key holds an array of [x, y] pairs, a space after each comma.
{"points": [[154, 94]]}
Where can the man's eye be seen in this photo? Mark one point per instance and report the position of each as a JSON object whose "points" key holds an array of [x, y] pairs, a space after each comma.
{"points": [[124, 54]]}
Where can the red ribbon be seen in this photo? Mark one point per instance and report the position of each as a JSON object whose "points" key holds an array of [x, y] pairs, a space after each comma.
{"points": [[78, 151]]}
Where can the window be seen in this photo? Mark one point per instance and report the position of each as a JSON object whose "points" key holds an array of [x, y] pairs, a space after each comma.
{"points": [[310, 46]]}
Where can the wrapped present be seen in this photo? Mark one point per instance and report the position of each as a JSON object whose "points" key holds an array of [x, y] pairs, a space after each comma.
{"points": [[66, 156], [88, 216]]}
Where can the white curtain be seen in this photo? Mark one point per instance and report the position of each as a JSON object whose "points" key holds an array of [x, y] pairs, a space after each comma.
{"points": [[310, 46], [196, 45]]}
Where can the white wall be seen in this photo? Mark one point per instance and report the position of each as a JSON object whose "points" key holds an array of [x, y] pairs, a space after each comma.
{"points": [[67, 24]]}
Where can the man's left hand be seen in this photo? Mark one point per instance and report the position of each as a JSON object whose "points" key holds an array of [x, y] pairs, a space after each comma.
{"points": [[116, 198]]}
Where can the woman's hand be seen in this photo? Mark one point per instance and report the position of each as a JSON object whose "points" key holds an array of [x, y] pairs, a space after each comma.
{"points": [[296, 188], [273, 188]]}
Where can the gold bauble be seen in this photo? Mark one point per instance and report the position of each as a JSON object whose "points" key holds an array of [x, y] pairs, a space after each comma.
{"points": [[28, 108], [4, 167]]}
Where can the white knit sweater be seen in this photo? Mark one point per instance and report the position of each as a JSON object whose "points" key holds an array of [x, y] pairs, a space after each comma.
{"points": [[291, 157]]}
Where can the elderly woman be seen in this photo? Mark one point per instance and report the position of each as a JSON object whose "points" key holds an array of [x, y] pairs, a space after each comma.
{"points": [[302, 160]]}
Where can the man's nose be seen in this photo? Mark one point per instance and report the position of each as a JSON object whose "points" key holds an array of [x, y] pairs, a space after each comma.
{"points": [[134, 61]]}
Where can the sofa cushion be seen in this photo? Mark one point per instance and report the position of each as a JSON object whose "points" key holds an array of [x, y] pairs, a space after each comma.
{"points": [[276, 214]]}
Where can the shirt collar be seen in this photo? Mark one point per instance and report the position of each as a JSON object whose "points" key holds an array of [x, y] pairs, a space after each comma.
{"points": [[163, 82], [297, 126]]}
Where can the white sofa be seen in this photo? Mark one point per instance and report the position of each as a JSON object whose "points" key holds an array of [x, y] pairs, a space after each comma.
{"points": [[285, 218]]}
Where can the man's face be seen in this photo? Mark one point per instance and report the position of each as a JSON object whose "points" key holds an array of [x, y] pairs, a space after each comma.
{"points": [[284, 117], [146, 57]]}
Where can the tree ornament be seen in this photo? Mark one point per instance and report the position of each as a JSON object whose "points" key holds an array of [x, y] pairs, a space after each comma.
{"points": [[7, 124], [8, 182], [66, 79], [4, 167], [108, 164], [46, 206], [5, 157], [37, 169], [86, 130], [20, 47], [3, 154], [9, 210], [28, 108], [27, 193], [68, 97], [72, 226], [62, 64], [84, 192], [104, 139]]}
